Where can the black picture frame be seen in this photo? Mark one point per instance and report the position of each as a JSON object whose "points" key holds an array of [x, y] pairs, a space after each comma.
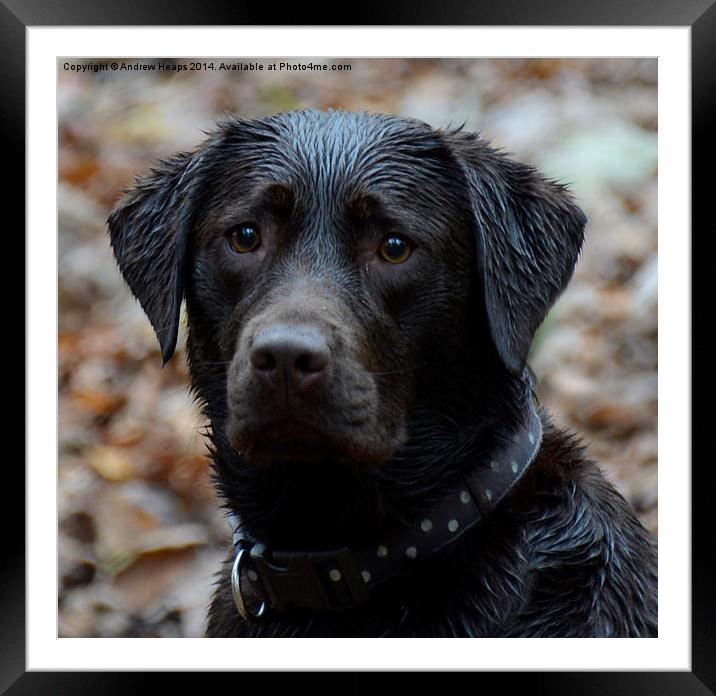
{"points": [[700, 15]]}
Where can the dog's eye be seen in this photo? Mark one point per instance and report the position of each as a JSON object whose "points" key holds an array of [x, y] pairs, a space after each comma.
{"points": [[395, 249], [244, 238]]}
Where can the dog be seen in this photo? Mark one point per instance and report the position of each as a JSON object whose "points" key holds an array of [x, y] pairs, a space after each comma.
{"points": [[361, 294]]}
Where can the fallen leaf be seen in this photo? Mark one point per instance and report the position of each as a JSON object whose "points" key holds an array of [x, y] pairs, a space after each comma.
{"points": [[112, 463]]}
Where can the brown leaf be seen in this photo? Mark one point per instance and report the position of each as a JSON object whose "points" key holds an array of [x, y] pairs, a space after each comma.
{"points": [[125, 432], [112, 463], [149, 578], [97, 402]]}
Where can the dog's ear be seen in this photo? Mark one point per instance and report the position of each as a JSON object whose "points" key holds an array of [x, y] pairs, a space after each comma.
{"points": [[528, 236], [149, 230]]}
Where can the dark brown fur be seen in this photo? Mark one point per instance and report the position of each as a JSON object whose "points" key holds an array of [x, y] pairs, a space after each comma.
{"points": [[424, 371]]}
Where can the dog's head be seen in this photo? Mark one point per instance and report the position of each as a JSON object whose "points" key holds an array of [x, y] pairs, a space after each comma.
{"points": [[344, 272]]}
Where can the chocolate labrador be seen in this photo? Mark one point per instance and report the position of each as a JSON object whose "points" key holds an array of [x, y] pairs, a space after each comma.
{"points": [[362, 291]]}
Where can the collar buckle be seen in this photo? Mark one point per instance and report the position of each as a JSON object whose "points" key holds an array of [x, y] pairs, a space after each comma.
{"points": [[316, 580], [239, 600]]}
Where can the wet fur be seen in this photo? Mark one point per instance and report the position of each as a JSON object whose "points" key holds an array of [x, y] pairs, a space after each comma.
{"points": [[442, 348]]}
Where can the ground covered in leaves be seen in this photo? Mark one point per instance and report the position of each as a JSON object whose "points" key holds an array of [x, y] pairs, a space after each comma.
{"points": [[140, 530]]}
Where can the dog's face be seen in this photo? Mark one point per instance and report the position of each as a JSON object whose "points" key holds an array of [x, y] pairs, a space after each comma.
{"points": [[344, 272], [326, 278]]}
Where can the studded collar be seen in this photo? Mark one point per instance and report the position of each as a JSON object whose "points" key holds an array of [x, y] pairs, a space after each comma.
{"points": [[342, 578]]}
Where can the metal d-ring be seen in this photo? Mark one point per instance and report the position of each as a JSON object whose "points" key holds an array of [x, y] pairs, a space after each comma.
{"points": [[241, 605]]}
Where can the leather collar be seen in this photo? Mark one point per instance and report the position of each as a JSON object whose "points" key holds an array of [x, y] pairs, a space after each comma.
{"points": [[343, 578]]}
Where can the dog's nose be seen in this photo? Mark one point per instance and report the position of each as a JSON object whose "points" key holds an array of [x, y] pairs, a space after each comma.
{"points": [[295, 356]]}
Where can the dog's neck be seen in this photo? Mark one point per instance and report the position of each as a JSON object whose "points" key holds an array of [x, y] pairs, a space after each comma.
{"points": [[347, 576]]}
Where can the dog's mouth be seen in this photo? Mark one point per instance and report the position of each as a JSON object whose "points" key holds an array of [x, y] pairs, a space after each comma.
{"points": [[290, 440]]}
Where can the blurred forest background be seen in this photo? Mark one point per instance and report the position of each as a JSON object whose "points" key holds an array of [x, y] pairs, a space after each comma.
{"points": [[141, 532]]}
